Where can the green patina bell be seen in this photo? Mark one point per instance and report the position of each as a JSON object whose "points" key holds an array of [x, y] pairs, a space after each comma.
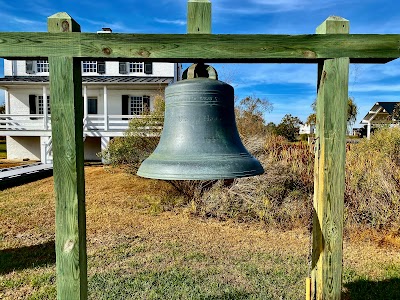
{"points": [[200, 140]]}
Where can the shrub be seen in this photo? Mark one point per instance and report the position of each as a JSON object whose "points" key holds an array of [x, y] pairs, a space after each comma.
{"points": [[139, 141], [279, 197], [283, 195], [372, 192]]}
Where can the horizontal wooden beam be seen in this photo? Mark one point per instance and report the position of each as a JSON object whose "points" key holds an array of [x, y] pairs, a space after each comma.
{"points": [[361, 48]]}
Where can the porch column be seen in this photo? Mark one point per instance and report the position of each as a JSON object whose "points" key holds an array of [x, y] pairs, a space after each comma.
{"points": [[7, 104], [104, 140], [45, 114], [105, 109], [44, 151], [85, 108], [370, 120], [369, 130]]}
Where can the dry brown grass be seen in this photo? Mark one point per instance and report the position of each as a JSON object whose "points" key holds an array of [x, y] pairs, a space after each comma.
{"points": [[128, 231], [4, 163]]}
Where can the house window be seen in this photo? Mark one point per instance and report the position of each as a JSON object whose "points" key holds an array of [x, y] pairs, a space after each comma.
{"points": [[39, 66], [136, 105], [42, 66], [89, 66], [139, 105], [92, 106], [40, 105], [136, 67]]}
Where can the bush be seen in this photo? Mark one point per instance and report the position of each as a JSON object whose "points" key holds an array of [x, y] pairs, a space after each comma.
{"points": [[282, 196], [373, 181], [304, 137], [138, 142], [279, 197]]}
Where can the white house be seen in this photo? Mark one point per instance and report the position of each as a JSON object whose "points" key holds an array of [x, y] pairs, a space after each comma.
{"points": [[307, 129], [113, 93], [380, 114]]}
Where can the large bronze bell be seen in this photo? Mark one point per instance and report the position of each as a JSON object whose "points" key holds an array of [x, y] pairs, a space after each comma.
{"points": [[200, 140]]}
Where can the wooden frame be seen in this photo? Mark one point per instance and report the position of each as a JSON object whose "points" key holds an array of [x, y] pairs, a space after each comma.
{"points": [[332, 50]]}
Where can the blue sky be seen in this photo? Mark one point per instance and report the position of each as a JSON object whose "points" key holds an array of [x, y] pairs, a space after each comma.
{"points": [[289, 87]]}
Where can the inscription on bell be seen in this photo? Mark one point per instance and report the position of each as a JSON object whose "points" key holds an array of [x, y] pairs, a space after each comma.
{"points": [[198, 119], [196, 98]]}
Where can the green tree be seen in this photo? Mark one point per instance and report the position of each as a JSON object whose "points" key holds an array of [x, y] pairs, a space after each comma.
{"points": [[311, 119], [396, 112], [289, 127], [2, 109], [352, 111], [250, 116], [271, 128]]}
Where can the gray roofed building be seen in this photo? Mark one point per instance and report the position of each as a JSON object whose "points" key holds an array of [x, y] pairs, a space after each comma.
{"points": [[113, 94], [10, 80]]}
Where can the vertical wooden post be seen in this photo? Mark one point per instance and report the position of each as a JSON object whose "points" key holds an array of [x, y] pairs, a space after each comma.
{"points": [[69, 179], [199, 16], [329, 170]]}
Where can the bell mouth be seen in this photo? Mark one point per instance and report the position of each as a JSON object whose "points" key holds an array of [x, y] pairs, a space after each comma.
{"points": [[200, 168]]}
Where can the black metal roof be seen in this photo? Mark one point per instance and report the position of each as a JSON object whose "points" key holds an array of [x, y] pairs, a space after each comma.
{"points": [[380, 113], [92, 79], [388, 106]]}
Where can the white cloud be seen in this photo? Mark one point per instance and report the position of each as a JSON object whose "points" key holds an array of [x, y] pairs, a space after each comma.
{"points": [[97, 25], [296, 105], [262, 7], [12, 22], [266, 81], [174, 22], [364, 88], [375, 72], [26, 21]]}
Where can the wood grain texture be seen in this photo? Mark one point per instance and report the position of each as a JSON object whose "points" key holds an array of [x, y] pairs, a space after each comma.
{"points": [[69, 181], [199, 17], [62, 22], [212, 48], [334, 25], [329, 172]]}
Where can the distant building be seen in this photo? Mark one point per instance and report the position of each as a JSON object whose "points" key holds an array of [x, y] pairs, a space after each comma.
{"points": [[359, 132], [380, 114], [113, 92], [307, 129]]}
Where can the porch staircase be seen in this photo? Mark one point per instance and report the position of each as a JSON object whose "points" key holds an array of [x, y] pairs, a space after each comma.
{"points": [[48, 156]]}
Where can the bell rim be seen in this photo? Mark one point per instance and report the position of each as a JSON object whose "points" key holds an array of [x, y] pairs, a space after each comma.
{"points": [[216, 176]]}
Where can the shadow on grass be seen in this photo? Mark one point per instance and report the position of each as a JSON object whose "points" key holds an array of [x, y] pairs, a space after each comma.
{"points": [[237, 295], [373, 290], [27, 257]]}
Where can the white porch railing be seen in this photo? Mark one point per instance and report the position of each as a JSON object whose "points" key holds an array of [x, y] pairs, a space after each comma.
{"points": [[116, 123], [23, 122]]}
